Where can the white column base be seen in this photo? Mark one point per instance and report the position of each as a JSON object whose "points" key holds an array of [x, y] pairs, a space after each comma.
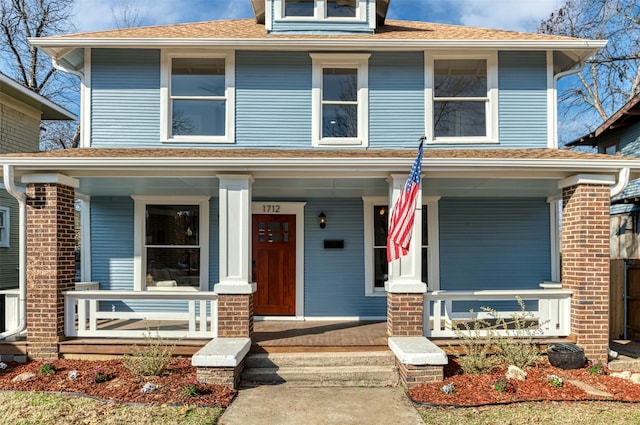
{"points": [[234, 288], [405, 287]]}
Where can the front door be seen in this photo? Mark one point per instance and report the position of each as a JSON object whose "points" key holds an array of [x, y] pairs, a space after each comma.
{"points": [[274, 264]]}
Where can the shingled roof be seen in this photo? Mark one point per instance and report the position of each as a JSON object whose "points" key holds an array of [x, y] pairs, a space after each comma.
{"points": [[249, 29]]}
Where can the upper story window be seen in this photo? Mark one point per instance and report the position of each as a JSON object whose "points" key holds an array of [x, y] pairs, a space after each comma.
{"points": [[340, 99], [463, 92], [4, 227], [320, 9], [198, 100]]}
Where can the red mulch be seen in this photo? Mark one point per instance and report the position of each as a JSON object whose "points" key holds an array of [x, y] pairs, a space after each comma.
{"points": [[476, 390], [122, 386]]}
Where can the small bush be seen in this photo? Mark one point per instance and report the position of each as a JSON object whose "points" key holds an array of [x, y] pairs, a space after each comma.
{"points": [[477, 340], [555, 381], [503, 385], [597, 368], [191, 389], [99, 376], [47, 369], [513, 345], [517, 347], [151, 359]]}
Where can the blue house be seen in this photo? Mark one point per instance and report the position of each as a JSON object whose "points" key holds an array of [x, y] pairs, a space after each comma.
{"points": [[244, 170]]}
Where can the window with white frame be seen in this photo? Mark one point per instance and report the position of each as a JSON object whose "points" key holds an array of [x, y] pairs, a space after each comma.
{"points": [[199, 97], [320, 9], [4, 227], [172, 243], [340, 99], [463, 99], [376, 223]]}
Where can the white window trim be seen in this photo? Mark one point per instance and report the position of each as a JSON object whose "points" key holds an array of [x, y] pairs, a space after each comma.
{"points": [[360, 61], [320, 13], [491, 108], [85, 237], [140, 254], [165, 95], [432, 203], [5, 232]]}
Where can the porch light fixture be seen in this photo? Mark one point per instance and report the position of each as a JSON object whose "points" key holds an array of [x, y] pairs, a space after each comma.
{"points": [[323, 220]]}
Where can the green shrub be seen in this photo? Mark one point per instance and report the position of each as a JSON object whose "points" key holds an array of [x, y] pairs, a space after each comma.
{"points": [[152, 358], [513, 345], [476, 345], [517, 346]]}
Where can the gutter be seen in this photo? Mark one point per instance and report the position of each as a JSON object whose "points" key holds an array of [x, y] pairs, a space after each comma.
{"points": [[11, 188], [623, 181]]}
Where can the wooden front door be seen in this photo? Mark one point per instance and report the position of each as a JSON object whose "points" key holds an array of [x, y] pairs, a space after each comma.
{"points": [[274, 264]]}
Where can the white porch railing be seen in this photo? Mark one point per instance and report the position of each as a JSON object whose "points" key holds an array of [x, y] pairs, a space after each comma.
{"points": [[553, 311], [84, 318]]}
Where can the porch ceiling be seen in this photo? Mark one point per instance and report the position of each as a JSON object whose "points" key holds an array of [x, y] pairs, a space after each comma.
{"points": [[304, 188]]}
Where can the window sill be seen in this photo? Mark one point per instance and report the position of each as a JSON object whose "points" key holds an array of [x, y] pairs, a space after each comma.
{"points": [[381, 293], [199, 139], [463, 141], [339, 142]]}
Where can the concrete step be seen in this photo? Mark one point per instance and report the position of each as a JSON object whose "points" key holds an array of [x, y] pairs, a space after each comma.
{"points": [[334, 376], [368, 358], [369, 369]]}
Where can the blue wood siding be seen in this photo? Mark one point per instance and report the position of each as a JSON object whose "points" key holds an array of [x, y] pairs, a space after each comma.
{"points": [[334, 278], [112, 242], [522, 87], [628, 139], [396, 99], [494, 243], [125, 98], [273, 99]]}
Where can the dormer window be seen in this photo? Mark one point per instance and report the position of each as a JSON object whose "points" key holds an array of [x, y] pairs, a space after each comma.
{"points": [[320, 9]]}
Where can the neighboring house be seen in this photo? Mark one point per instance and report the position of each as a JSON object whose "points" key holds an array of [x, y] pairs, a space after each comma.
{"points": [[20, 113], [245, 168], [620, 135]]}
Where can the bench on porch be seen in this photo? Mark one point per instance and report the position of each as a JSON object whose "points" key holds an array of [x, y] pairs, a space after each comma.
{"points": [[418, 360], [221, 361]]}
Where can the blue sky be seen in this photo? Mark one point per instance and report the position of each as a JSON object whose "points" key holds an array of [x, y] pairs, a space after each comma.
{"points": [[518, 15]]}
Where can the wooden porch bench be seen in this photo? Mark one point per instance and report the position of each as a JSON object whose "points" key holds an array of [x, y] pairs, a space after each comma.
{"points": [[419, 360], [221, 361]]}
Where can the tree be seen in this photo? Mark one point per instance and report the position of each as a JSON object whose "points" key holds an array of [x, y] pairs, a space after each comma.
{"points": [[612, 76], [21, 20], [126, 15]]}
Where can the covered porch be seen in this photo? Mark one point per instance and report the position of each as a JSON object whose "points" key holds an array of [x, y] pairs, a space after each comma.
{"points": [[414, 303]]}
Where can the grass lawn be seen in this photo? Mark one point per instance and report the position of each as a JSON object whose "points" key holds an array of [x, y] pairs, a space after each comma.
{"points": [[38, 408], [572, 413]]}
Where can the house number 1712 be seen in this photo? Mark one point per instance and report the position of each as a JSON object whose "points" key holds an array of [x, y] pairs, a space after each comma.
{"points": [[271, 208]]}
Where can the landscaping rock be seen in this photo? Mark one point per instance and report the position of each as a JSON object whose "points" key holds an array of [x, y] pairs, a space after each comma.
{"points": [[622, 375], [514, 372], [635, 378], [24, 377]]}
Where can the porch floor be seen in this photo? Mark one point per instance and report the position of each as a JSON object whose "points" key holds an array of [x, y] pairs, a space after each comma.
{"points": [[289, 335]]}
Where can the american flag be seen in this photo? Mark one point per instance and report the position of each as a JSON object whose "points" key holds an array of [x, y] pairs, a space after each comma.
{"points": [[403, 213]]}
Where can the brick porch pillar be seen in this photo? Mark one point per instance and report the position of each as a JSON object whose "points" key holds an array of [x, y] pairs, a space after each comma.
{"points": [[405, 314], [585, 260], [50, 260]]}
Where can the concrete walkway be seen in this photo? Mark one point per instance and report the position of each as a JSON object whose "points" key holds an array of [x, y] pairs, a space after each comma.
{"points": [[284, 405]]}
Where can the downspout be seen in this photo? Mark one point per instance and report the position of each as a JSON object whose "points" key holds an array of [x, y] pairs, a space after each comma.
{"points": [[11, 188], [623, 181], [556, 78]]}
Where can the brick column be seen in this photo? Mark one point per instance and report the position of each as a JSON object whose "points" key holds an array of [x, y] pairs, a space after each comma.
{"points": [[585, 262], [50, 261], [405, 313], [235, 315]]}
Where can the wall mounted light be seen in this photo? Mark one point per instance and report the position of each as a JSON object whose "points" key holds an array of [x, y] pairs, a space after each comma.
{"points": [[323, 220]]}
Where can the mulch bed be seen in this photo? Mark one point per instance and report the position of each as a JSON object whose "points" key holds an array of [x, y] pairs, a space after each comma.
{"points": [[477, 390], [122, 385]]}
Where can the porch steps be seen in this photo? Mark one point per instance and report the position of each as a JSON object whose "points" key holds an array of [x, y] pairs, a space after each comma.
{"points": [[321, 369]]}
